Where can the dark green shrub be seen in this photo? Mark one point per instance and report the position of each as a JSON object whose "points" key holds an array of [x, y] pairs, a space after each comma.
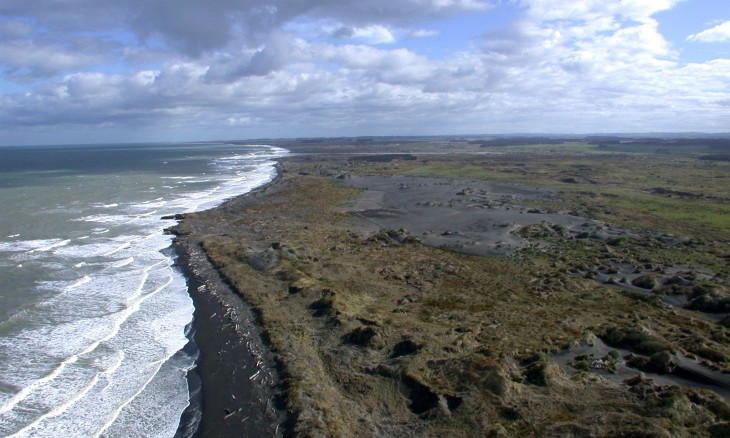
{"points": [[618, 241], [652, 346]]}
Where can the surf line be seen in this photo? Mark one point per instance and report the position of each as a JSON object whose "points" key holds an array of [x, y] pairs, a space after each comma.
{"points": [[50, 247], [158, 364], [64, 407], [123, 316]]}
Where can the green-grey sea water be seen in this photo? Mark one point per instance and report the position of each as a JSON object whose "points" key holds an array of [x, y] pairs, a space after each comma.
{"points": [[92, 312]]}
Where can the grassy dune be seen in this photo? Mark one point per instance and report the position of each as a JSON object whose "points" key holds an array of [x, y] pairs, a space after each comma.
{"points": [[380, 335]]}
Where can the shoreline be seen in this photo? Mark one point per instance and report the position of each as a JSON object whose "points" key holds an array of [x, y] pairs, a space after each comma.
{"points": [[228, 340], [190, 417]]}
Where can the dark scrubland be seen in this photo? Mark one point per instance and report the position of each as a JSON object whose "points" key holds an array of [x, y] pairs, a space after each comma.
{"points": [[560, 289]]}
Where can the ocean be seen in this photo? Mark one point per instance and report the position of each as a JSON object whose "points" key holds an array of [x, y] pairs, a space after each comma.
{"points": [[93, 313]]}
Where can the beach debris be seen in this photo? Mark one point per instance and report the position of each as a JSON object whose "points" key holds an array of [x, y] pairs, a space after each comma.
{"points": [[598, 364]]}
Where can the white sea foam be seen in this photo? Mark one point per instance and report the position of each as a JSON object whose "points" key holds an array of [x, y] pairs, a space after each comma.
{"points": [[52, 246], [113, 219], [123, 262], [121, 247], [82, 335], [85, 279], [146, 214], [60, 409], [26, 245], [119, 388], [94, 248], [138, 419]]}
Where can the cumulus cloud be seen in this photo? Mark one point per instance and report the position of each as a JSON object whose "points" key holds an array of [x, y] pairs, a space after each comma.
{"points": [[27, 54], [278, 51], [28, 59], [374, 34], [716, 34], [45, 38], [334, 67], [588, 10], [194, 27]]}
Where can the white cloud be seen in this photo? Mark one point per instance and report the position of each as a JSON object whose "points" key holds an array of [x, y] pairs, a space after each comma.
{"points": [[423, 33], [28, 60], [239, 121], [26, 54], [194, 28], [635, 10], [374, 34], [719, 33]]}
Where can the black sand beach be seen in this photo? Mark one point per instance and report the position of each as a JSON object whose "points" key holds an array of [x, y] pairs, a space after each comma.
{"points": [[235, 372], [472, 217]]}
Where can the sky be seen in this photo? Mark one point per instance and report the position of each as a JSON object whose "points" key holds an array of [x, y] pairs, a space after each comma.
{"points": [[84, 71]]}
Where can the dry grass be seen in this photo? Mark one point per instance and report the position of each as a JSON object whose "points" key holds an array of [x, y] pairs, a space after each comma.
{"points": [[334, 305]]}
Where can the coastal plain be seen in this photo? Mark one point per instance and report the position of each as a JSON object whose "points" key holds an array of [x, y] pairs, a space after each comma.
{"points": [[462, 287]]}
